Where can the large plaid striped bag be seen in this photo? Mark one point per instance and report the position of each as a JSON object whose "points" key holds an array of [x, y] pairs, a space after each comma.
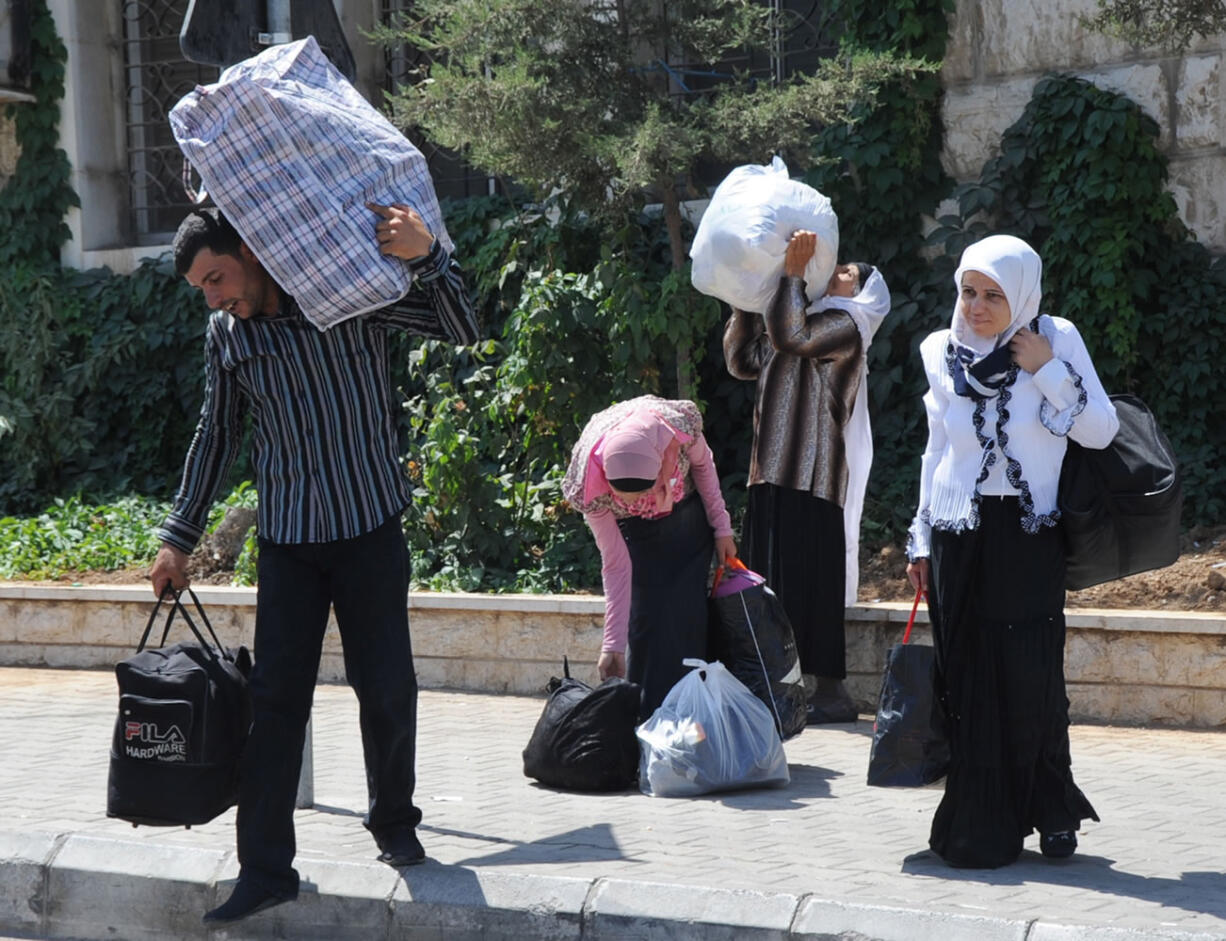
{"points": [[291, 153]]}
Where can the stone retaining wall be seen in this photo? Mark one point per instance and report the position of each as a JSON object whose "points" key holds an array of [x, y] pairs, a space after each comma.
{"points": [[999, 49], [1122, 666]]}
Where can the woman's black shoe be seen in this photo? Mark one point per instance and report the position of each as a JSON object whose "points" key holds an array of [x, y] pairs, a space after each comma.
{"points": [[830, 703], [246, 899], [1059, 845]]}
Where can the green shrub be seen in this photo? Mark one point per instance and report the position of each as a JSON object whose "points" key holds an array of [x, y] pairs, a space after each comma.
{"points": [[75, 535]]}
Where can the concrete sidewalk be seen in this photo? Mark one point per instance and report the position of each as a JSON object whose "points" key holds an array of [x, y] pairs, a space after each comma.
{"points": [[825, 857]]}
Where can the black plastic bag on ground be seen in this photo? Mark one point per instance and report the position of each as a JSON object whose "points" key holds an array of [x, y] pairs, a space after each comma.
{"points": [[909, 745], [584, 739], [1120, 506], [751, 635]]}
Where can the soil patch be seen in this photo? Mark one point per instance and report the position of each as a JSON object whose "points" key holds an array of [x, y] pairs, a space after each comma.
{"points": [[1195, 582]]}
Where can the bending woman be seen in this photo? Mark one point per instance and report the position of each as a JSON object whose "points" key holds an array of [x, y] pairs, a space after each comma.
{"points": [[645, 480], [1006, 386]]}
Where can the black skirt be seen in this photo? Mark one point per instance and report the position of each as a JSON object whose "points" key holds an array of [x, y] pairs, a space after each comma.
{"points": [[671, 560], [795, 541], [997, 609]]}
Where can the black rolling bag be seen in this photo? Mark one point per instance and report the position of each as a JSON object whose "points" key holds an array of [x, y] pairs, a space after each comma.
{"points": [[184, 714]]}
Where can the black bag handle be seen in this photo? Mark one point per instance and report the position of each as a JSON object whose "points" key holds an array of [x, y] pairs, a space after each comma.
{"points": [[167, 591]]}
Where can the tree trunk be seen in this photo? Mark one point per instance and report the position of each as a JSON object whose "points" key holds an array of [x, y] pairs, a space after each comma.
{"points": [[672, 222]]}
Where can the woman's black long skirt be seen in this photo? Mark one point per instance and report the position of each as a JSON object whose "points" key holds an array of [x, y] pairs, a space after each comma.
{"points": [[997, 609], [795, 541], [671, 559]]}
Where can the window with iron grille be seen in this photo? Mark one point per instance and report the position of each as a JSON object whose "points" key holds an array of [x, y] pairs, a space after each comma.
{"points": [[803, 39], [452, 176], [156, 76]]}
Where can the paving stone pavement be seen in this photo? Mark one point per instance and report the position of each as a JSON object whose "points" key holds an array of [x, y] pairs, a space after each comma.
{"points": [[1152, 868]]}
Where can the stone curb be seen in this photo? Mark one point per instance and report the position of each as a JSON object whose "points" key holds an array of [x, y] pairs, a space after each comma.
{"points": [[87, 887]]}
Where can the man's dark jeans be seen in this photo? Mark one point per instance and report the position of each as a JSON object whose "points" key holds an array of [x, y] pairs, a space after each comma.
{"points": [[366, 580]]}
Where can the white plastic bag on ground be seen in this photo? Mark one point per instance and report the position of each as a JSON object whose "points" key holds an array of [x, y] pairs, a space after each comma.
{"points": [[710, 734], [291, 153], [738, 249]]}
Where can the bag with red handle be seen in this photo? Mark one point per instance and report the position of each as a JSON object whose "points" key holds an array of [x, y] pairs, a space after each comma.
{"points": [[751, 635], [910, 748]]}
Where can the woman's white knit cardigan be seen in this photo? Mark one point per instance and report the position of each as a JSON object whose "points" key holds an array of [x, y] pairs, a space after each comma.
{"points": [[1065, 397]]}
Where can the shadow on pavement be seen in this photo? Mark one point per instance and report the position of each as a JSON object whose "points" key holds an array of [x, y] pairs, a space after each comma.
{"points": [[1203, 892], [586, 844], [807, 782]]}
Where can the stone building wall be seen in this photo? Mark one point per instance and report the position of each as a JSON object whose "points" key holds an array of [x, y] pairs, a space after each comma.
{"points": [[999, 49]]}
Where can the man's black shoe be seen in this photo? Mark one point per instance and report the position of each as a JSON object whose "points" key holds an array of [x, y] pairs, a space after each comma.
{"points": [[1059, 845], [246, 899], [401, 848]]}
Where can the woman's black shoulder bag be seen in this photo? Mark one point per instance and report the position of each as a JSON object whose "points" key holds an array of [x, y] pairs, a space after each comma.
{"points": [[1120, 506]]}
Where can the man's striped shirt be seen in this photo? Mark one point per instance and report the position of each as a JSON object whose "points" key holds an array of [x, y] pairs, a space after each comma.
{"points": [[325, 446]]}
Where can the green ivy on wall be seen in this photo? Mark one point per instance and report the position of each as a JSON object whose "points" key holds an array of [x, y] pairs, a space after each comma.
{"points": [[99, 373], [1081, 177], [884, 177], [37, 197]]}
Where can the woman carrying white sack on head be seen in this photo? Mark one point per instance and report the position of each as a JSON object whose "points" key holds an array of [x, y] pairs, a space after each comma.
{"points": [[1007, 387], [812, 450]]}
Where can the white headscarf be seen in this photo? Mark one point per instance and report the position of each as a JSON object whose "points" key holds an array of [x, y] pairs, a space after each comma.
{"points": [[867, 309], [1017, 268]]}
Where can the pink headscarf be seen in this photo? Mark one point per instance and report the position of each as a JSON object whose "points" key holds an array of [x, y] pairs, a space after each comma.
{"points": [[641, 445]]}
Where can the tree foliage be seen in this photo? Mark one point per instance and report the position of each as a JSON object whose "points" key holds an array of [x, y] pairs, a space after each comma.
{"points": [[583, 303], [588, 99], [1170, 24], [584, 97]]}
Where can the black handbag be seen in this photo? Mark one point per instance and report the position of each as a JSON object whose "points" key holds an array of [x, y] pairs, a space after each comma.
{"points": [[584, 739], [184, 715], [1120, 506], [909, 747], [750, 633]]}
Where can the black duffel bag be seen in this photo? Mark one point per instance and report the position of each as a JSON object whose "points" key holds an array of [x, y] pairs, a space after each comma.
{"points": [[584, 739], [750, 633], [184, 715], [1120, 506]]}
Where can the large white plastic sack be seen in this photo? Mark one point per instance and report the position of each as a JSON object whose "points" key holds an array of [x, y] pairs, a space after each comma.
{"points": [[291, 153], [709, 734], [738, 249]]}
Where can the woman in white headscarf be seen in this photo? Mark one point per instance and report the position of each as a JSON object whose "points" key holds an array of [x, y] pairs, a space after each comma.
{"points": [[1007, 387], [812, 449]]}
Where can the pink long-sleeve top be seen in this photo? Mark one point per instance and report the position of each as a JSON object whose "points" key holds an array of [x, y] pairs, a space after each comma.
{"points": [[695, 470]]}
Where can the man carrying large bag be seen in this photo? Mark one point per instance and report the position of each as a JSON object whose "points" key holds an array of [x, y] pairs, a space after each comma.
{"points": [[331, 492]]}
